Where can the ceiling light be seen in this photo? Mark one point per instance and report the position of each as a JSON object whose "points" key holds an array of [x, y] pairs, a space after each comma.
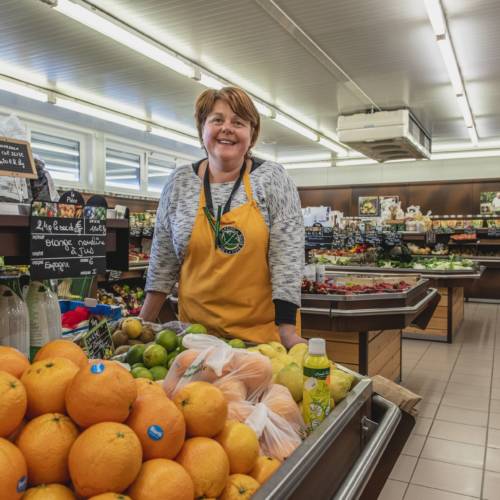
{"points": [[211, 82], [176, 136], [312, 164], [121, 177], [164, 174], [263, 109], [295, 126], [264, 156], [465, 109], [347, 163], [333, 146], [436, 16], [23, 90], [450, 62], [466, 154], [100, 113], [124, 36]]}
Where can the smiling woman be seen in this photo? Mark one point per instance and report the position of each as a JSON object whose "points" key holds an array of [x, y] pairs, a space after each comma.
{"points": [[230, 231]]}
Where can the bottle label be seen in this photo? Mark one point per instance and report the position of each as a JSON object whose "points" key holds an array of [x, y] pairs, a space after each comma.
{"points": [[320, 373]]}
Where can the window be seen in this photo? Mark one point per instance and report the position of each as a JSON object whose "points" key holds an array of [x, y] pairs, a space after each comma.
{"points": [[61, 155], [159, 169], [123, 169]]}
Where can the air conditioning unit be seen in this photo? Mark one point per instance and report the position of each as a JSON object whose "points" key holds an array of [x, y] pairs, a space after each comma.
{"points": [[385, 135]]}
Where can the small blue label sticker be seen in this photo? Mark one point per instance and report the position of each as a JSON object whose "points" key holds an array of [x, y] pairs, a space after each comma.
{"points": [[155, 432], [22, 484], [97, 368]]}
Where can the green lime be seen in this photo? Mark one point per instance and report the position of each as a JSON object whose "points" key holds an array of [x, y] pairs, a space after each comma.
{"points": [[155, 355], [141, 372], [237, 343], [195, 328], [138, 365], [158, 372], [134, 354], [167, 339]]}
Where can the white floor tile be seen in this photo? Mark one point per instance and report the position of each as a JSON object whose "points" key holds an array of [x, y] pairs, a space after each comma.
{"points": [[462, 416], [393, 490], [458, 432], [453, 452], [403, 468], [491, 487], [414, 445], [416, 492]]}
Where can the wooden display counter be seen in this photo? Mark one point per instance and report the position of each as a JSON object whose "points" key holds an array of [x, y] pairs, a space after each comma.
{"points": [[369, 353], [445, 321]]}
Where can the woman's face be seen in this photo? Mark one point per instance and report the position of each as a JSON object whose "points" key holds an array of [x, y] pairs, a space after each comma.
{"points": [[226, 136]]}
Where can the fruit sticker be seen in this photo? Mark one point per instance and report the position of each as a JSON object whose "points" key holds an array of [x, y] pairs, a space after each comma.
{"points": [[22, 484], [97, 368], [155, 432]]}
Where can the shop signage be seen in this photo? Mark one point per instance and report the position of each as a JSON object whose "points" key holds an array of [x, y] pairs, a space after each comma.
{"points": [[67, 240], [16, 159], [98, 342]]}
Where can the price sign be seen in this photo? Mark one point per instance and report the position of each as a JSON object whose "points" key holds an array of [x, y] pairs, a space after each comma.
{"points": [[98, 342], [66, 240], [430, 238], [16, 159]]}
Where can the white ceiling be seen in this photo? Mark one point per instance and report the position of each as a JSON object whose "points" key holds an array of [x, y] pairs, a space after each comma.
{"points": [[386, 47]]}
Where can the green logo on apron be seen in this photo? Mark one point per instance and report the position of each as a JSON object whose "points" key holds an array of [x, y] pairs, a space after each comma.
{"points": [[231, 240]]}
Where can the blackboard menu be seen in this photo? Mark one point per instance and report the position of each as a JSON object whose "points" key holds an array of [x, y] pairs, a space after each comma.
{"points": [[66, 241], [16, 159], [98, 342]]}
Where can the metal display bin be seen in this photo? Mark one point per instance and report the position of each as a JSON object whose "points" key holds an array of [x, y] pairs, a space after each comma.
{"points": [[337, 460]]}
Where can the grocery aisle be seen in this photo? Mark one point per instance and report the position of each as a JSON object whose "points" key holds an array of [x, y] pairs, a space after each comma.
{"points": [[453, 452]]}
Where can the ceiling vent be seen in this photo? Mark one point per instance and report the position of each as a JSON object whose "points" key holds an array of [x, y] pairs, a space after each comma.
{"points": [[385, 135]]}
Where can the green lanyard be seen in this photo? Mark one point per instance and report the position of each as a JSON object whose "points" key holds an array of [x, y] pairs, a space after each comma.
{"points": [[214, 223]]}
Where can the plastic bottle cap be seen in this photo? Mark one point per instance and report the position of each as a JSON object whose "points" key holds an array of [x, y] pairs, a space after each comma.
{"points": [[317, 347]]}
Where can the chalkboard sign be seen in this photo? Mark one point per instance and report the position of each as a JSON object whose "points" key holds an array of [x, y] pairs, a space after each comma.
{"points": [[64, 243], [98, 342], [16, 159], [430, 237]]}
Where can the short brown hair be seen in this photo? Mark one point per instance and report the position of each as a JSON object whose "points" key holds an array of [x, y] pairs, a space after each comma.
{"points": [[237, 99]]}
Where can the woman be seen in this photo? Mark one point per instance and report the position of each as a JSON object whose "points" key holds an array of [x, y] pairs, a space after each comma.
{"points": [[229, 228]]}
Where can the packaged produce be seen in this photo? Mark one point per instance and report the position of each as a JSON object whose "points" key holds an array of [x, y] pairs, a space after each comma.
{"points": [[280, 401], [44, 315], [14, 321], [316, 400]]}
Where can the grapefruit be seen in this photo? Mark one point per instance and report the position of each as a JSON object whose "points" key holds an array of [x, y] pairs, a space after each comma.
{"points": [[13, 403]]}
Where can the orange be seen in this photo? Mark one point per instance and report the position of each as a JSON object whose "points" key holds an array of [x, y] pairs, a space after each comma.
{"points": [[240, 487], [148, 387], [13, 361], [159, 424], [264, 468], [60, 348], [49, 492], [206, 462], [204, 408], [13, 471], [105, 457], [46, 382], [110, 496], [45, 443], [233, 390], [176, 371], [162, 478], [241, 446], [102, 391], [12, 438], [13, 403]]}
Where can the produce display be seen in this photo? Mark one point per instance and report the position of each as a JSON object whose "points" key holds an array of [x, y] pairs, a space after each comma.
{"points": [[129, 298], [220, 424], [329, 287], [433, 264]]}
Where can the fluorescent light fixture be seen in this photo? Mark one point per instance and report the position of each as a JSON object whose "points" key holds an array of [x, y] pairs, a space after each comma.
{"points": [[176, 136], [312, 164], [123, 185], [327, 143], [473, 135], [450, 62], [165, 170], [491, 153], [466, 112], [124, 36], [102, 114], [121, 177], [264, 156], [295, 126], [210, 81], [361, 161], [436, 16], [165, 174], [23, 90], [263, 109]]}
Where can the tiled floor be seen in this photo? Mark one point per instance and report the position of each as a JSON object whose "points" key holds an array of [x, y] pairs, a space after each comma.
{"points": [[454, 450]]}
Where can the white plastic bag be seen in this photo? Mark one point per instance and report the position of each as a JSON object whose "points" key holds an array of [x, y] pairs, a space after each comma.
{"points": [[14, 321], [211, 360]]}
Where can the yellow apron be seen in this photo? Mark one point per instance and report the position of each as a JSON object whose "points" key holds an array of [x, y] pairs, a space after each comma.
{"points": [[229, 291]]}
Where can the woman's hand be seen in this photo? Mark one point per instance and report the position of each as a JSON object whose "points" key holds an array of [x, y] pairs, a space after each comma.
{"points": [[289, 337]]}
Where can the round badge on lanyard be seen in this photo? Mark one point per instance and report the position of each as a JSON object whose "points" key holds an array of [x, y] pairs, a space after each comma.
{"points": [[231, 240]]}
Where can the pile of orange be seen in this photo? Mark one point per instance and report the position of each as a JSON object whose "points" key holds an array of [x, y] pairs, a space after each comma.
{"points": [[72, 427]]}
